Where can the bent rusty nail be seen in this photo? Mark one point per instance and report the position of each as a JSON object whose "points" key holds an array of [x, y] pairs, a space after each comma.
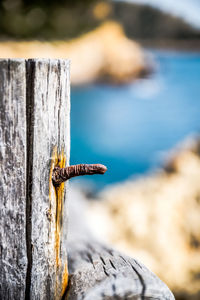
{"points": [[62, 174]]}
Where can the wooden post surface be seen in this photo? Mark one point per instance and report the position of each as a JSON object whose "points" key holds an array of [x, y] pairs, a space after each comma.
{"points": [[98, 272], [34, 137], [13, 150]]}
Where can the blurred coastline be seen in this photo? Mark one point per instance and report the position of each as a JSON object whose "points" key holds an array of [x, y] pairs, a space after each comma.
{"points": [[103, 39], [180, 45], [105, 54]]}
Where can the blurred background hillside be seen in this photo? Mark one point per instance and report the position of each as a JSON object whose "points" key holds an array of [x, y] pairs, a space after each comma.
{"points": [[135, 73], [66, 19]]}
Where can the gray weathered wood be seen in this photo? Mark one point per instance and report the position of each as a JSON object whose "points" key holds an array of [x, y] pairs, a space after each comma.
{"points": [[13, 258], [35, 128], [98, 272], [49, 99]]}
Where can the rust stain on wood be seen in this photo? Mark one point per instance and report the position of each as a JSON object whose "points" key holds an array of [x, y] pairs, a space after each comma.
{"points": [[65, 279], [56, 196]]}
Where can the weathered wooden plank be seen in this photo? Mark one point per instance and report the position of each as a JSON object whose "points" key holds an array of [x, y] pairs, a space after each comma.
{"points": [[49, 138], [98, 272], [13, 258], [35, 137]]}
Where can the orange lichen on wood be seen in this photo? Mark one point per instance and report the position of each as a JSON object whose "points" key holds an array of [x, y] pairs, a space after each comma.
{"points": [[56, 195]]}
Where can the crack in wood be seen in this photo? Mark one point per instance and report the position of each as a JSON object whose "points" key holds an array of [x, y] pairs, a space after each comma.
{"points": [[101, 258], [104, 269], [30, 73], [112, 264], [34, 119], [90, 259], [141, 281], [137, 264]]}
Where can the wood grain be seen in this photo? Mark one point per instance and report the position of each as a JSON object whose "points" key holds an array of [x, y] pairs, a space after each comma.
{"points": [[13, 258], [51, 139], [35, 137], [98, 272]]}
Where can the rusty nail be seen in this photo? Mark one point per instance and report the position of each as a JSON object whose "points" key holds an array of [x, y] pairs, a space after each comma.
{"points": [[62, 174]]}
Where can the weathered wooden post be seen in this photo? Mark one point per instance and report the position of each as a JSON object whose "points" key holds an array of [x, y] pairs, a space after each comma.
{"points": [[34, 137], [34, 141]]}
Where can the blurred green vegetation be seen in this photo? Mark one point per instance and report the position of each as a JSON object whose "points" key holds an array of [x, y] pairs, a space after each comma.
{"points": [[65, 19], [44, 19]]}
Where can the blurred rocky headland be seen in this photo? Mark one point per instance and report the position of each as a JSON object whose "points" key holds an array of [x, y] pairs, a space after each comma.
{"points": [[155, 219], [61, 20], [154, 28], [102, 38], [104, 54]]}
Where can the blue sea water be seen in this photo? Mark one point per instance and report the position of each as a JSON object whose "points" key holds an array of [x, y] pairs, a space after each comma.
{"points": [[128, 128]]}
